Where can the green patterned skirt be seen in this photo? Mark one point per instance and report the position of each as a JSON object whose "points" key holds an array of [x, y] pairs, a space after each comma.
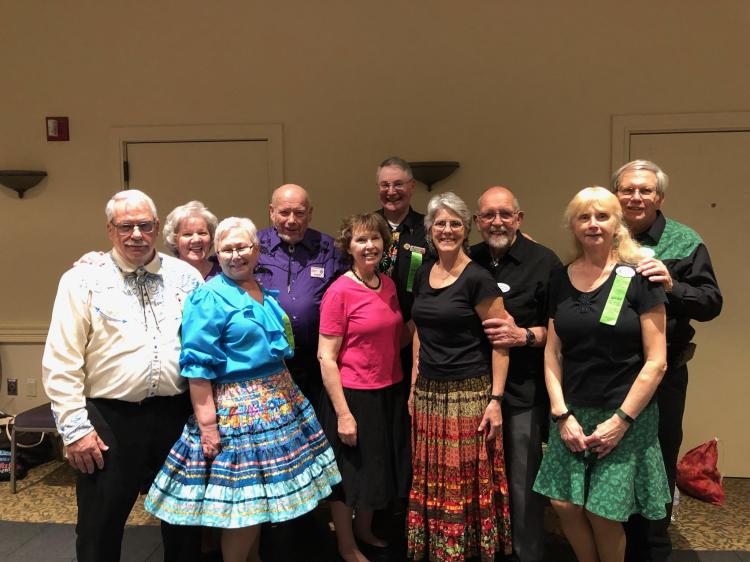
{"points": [[630, 479]]}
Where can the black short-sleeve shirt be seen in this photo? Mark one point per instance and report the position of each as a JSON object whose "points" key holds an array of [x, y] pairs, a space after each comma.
{"points": [[523, 275], [600, 362], [452, 344]]}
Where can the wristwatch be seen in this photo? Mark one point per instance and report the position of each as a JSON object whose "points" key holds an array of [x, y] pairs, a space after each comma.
{"points": [[497, 397], [563, 416], [530, 338]]}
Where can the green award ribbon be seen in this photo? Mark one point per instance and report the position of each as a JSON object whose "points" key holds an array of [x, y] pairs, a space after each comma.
{"points": [[617, 295], [414, 263], [288, 330]]}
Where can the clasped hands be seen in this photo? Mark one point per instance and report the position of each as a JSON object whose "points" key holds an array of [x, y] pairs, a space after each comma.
{"points": [[605, 437]]}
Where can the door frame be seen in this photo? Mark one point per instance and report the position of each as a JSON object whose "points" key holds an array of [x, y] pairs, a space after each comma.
{"points": [[271, 133], [626, 126]]}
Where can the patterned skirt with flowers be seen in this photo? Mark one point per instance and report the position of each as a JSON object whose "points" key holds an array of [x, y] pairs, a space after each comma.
{"points": [[458, 504], [275, 463]]}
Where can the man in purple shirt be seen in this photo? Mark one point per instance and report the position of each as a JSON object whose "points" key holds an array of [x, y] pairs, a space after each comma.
{"points": [[300, 263]]}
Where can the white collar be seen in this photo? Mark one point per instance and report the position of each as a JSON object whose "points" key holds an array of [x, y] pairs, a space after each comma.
{"points": [[154, 266]]}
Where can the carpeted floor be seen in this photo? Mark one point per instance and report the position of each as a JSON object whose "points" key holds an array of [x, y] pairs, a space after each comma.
{"points": [[47, 495]]}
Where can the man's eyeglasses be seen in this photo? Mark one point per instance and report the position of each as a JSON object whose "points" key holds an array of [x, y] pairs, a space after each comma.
{"points": [[398, 185], [643, 191], [242, 251], [489, 216], [127, 227]]}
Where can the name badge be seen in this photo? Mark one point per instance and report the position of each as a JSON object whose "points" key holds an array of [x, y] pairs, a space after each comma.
{"points": [[413, 248], [317, 272]]}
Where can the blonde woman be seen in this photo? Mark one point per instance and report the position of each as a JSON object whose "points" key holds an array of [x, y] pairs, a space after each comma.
{"points": [[604, 358]]}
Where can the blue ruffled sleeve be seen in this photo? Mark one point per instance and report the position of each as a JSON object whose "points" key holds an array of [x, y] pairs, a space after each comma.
{"points": [[203, 321], [278, 328]]}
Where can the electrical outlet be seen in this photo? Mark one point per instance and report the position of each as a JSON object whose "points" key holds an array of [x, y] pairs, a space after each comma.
{"points": [[31, 388], [12, 387]]}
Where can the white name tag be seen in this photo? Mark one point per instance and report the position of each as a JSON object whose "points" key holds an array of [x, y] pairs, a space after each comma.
{"points": [[504, 287], [625, 271], [317, 272]]}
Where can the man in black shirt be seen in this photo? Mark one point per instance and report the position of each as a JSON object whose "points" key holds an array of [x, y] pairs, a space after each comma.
{"points": [[408, 243], [679, 260], [522, 269]]}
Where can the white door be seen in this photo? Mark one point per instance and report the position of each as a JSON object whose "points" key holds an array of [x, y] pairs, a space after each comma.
{"points": [[229, 176], [709, 192]]}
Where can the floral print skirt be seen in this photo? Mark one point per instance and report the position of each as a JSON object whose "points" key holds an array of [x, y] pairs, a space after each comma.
{"points": [[630, 479], [275, 463], [458, 504]]}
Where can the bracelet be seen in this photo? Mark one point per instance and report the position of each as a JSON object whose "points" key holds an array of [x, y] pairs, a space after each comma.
{"points": [[624, 416], [498, 397], [565, 415]]}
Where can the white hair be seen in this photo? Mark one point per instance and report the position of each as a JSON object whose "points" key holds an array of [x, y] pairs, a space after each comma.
{"points": [[128, 194], [188, 210], [232, 223]]}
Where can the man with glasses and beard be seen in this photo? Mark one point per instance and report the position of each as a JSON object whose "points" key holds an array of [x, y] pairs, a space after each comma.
{"points": [[522, 269]]}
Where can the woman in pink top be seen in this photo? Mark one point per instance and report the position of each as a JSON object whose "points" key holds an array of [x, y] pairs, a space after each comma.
{"points": [[364, 420]]}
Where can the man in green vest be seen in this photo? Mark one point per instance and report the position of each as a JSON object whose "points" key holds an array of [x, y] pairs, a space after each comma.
{"points": [[676, 257]]}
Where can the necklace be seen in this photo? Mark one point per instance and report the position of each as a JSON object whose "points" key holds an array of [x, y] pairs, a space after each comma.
{"points": [[375, 288]]}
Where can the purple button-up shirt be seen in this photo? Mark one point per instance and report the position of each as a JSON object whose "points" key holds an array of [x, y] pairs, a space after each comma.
{"points": [[301, 273]]}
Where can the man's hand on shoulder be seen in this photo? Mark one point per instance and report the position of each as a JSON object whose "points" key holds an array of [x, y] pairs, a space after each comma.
{"points": [[503, 332], [86, 453], [656, 272]]}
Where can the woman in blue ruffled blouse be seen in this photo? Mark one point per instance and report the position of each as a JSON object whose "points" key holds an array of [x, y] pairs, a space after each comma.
{"points": [[254, 451]]}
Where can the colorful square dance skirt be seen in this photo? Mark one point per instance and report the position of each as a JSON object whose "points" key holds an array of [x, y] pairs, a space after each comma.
{"points": [[458, 504], [275, 463]]}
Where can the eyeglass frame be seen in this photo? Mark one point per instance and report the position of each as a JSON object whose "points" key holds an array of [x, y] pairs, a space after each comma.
{"points": [[386, 185], [650, 192], [483, 216], [125, 228], [241, 251], [449, 224]]}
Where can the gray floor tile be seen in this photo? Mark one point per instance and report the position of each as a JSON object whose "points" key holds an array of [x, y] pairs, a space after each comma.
{"points": [[14, 535], [55, 540], [139, 543]]}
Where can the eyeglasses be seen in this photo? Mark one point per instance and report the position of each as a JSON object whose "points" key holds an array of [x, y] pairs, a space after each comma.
{"points": [[489, 216], [398, 185], [241, 251], [643, 191], [127, 228], [452, 225]]}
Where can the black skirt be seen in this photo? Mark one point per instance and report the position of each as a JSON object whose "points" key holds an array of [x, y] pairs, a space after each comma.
{"points": [[378, 469]]}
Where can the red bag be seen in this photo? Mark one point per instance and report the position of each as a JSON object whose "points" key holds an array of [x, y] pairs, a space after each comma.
{"points": [[698, 475]]}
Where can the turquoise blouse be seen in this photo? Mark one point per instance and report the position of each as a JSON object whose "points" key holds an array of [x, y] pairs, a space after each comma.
{"points": [[228, 336]]}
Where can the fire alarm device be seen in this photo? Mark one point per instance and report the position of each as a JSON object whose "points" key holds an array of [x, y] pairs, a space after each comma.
{"points": [[57, 129]]}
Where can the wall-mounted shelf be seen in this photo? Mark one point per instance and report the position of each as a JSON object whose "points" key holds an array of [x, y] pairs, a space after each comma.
{"points": [[432, 172], [21, 180]]}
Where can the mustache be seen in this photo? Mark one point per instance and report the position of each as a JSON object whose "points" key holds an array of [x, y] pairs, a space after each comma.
{"points": [[498, 230]]}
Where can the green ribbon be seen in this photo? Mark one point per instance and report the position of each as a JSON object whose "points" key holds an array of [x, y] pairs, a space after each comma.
{"points": [[414, 263], [288, 330], [615, 299]]}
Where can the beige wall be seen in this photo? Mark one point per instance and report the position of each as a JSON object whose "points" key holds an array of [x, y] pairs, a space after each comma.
{"points": [[521, 93]]}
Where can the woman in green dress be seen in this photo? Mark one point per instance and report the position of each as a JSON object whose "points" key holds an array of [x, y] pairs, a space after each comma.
{"points": [[604, 358]]}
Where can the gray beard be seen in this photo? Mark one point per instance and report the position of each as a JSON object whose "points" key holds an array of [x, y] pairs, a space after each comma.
{"points": [[499, 243]]}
